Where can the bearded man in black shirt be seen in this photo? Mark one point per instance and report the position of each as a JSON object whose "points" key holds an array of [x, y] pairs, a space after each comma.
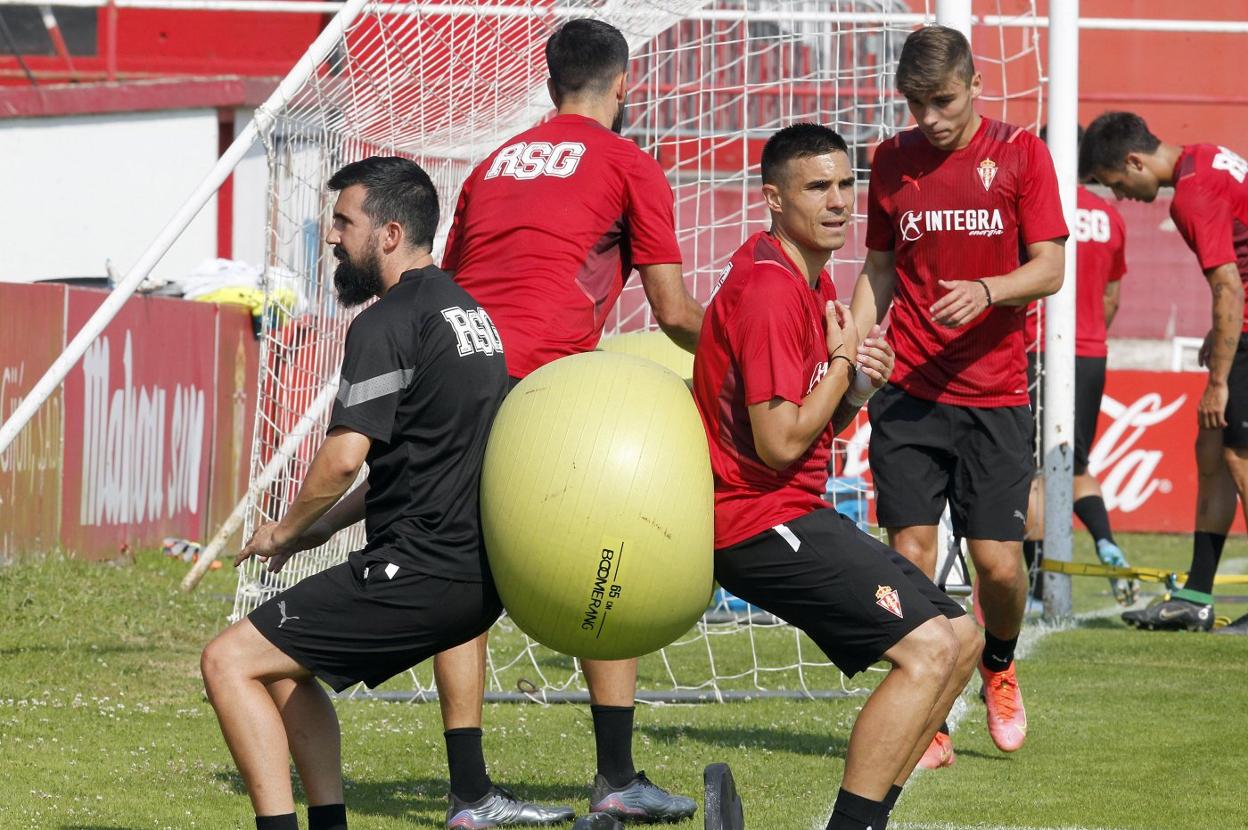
{"points": [[423, 375]]}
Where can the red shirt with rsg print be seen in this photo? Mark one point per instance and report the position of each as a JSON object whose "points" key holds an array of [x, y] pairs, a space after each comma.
{"points": [[960, 215], [763, 337], [1210, 207], [549, 226]]}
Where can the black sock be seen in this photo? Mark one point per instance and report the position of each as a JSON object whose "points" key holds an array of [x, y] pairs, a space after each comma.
{"points": [[853, 812], [469, 780], [1033, 555], [282, 822], [613, 738], [944, 727], [1091, 511], [998, 654], [1206, 553], [886, 807], [327, 817]]}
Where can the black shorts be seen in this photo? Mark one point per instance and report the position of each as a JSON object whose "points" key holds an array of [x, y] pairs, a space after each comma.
{"points": [[1235, 434], [1089, 389], [851, 594], [979, 460], [365, 620]]}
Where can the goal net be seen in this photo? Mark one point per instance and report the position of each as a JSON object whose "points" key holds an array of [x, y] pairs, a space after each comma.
{"points": [[445, 84]]}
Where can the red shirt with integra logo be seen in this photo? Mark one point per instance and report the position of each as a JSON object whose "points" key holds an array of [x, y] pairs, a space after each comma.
{"points": [[1100, 259], [548, 228], [763, 337], [1210, 207], [960, 215]]}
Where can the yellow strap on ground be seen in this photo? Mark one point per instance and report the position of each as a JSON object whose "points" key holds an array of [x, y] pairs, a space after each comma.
{"points": [[1142, 574]]}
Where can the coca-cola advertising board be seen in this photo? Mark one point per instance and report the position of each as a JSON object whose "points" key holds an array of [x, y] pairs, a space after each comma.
{"points": [[1143, 454]]}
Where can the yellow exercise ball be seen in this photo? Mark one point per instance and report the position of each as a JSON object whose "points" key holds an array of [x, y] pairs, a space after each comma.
{"points": [[652, 345], [597, 506]]}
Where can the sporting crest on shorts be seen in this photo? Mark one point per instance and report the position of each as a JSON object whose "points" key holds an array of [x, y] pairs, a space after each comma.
{"points": [[886, 597], [987, 172]]}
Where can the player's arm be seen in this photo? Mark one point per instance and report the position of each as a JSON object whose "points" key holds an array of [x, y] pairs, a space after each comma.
{"points": [[678, 313], [1112, 294], [873, 292], [333, 470], [783, 430], [348, 511], [1220, 344], [1040, 276], [874, 368]]}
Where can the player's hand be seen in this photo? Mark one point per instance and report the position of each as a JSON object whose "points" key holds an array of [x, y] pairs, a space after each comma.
{"points": [[1206, 351], [876, 357], [965, 301], [1211, 411], [265, 544], [842, 336]]}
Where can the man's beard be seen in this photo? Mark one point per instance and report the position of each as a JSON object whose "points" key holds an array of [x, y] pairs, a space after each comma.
{"points": [[617, 123], [354, 282]]}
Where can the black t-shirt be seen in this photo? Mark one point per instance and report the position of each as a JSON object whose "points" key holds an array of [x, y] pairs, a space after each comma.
{"points": [[423, 375]]}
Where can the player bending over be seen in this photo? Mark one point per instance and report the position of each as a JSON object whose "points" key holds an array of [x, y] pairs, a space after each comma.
{"points": [[417, 407], [1210, 209], [779, 371], [951, 203]]}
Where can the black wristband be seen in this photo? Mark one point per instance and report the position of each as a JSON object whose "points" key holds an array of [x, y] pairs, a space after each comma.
{"points": [[844, 358], [986, 291]]}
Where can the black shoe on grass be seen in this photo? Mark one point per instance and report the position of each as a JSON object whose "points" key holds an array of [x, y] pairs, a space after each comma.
{"points": [[639, 801], [500, 808], [1172, 615]]}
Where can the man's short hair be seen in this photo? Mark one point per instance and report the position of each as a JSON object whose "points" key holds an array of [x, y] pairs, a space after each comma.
{"points": [[585, 56], [398, 190], [930, 57], [1108, 140], [798, 141]]}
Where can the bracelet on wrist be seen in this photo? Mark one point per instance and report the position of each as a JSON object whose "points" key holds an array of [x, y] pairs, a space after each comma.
{"points": [[987, 293], [844, 358]]}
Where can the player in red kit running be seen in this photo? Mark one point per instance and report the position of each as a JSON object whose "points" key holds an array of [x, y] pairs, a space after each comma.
{"points": [[778, 372], [1210, 209], [951, 202], [546, 230]]}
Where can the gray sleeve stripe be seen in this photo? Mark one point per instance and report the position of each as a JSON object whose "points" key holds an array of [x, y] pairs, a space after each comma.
{"points": [[350, 394]]}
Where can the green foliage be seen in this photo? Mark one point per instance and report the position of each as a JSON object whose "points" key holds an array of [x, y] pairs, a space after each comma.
{"points": [[103, 724]]}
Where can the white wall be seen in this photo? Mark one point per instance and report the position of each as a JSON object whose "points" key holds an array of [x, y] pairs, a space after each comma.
{"points": [[251, 185], [77, 190]]}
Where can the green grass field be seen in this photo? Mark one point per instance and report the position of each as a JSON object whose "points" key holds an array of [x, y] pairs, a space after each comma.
{"points": [[103, 723]]}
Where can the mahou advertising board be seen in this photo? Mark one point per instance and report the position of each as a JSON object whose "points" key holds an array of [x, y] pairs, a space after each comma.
{"points": [[1143, 454]]}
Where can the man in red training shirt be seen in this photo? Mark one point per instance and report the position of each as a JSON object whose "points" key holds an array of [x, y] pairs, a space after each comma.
{"points": [[951, 203], [778, 372]]}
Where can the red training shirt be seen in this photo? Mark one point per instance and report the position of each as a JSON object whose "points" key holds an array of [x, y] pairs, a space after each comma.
{"points": [[960, 215], [547, 229], [763, 337], [1100, 259], [1210, 207]]}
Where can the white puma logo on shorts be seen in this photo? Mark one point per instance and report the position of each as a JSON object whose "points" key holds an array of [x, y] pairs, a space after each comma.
{"points": [[281, 606]]}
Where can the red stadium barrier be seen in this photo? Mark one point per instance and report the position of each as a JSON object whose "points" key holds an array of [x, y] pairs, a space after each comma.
{"points": [[1142, 455], [149, 436]]}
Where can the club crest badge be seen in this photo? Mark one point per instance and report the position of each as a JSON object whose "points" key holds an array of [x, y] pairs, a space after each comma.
{"points": [[886, 597], [987, 172]]}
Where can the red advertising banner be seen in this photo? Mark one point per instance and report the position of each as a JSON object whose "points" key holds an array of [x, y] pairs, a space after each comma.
{"points": [[238, 360], [31, 337], [138, 433], [1143, 454]]}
